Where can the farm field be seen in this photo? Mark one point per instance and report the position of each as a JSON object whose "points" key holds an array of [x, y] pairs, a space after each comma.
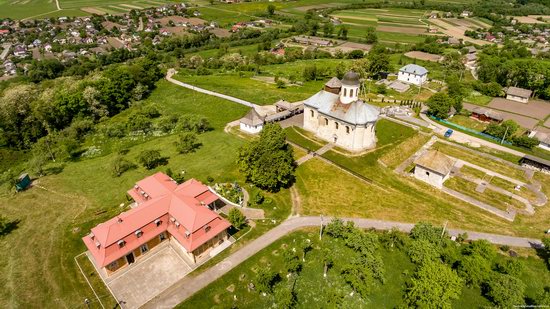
{"points": [[39, 271], [24, 9], [392, 24]]}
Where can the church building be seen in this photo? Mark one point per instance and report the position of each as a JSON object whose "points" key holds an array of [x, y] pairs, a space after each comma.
{"points": [[336, 114]]}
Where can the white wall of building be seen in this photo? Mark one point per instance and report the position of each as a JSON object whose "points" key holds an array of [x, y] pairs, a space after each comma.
{"points": [[250, 129], [412, 78], [516, 98], [544, 146], [349, 137], [429, 176]]}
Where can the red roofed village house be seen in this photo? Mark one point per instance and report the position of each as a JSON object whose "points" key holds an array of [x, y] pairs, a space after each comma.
{"points": [[165, 211]]}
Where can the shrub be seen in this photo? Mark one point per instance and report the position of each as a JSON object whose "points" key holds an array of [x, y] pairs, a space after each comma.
{"points": [[266, 279], [139, 122], [236, 217], [193, 123], [117, 130], [187, 143], [151, 159], [121, 165]]}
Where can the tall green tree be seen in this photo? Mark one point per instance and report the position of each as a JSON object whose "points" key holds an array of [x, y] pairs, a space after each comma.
{"points": [[505, 290], [371, 36], [433, 285], [439, 105], [268, 161]]}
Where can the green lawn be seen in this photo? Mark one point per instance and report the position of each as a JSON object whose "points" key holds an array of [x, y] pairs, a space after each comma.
{"points": [[39, 271], [487, 163], [252, 90], [489, 196], [467, 122]]}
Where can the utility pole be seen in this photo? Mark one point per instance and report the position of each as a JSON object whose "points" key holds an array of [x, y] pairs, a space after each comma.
{"points": [[321, 229], [505, 132], [444, 228]]}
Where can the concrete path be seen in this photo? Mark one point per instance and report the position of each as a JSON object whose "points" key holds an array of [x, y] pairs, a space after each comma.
{"points": [[192, 284], [465, 138], [313, 154], [507, 215], [171, 73], [401, 122]]}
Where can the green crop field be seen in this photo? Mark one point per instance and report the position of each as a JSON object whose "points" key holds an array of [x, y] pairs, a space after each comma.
{"points": [[23, 9], [392, 24]]}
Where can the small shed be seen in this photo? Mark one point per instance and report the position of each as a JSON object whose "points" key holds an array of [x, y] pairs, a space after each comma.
{"points": [[518, 94], [252, 122], [433, 167], [23, 182], [486, 115]]}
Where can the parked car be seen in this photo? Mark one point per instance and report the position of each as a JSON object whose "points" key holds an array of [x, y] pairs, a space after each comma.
{"points": [[449, 133]]}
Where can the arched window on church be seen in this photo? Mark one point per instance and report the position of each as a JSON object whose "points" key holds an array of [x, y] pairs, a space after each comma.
{"points": [[345, 91], [347, 129], [312, 114], [326, 121], [351, 93], [336, 125]]}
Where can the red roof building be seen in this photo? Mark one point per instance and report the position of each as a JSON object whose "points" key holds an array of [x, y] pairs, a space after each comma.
{"points": [[164, 211]]}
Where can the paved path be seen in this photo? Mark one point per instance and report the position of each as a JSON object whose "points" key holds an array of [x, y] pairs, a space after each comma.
{"points": [[401, 122], [313, 154], [465, 138], [192, 284], [171, 73]]}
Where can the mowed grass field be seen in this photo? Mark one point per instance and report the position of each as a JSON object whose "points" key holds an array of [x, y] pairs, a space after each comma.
{"points": [[326, 190], [392, 24], [37, 267], [26, 9]]}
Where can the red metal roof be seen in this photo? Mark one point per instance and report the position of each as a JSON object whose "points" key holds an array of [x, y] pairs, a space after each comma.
{"points": [[159, 198]]}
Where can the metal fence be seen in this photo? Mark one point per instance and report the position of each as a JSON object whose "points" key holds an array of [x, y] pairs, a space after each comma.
{"points": [[496, 139]]}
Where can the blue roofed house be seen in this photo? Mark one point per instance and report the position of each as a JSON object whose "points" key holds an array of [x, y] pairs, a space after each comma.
{"points": [[336, 114], [413, 74]]}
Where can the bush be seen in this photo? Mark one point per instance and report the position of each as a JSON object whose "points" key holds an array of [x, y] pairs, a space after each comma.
{"points": [[117, 130], [151, 159], [266, 280], [525, 141], [194, 123], [121, 165], [139, 122], [167, 123], [236, 217], [258, 198], [187, 143]]}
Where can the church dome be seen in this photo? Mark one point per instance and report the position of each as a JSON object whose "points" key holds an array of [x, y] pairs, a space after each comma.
{"points": [[351, 78]]}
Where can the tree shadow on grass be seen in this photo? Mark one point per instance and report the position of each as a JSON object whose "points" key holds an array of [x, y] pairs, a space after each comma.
{"points": [[9, 227]]}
